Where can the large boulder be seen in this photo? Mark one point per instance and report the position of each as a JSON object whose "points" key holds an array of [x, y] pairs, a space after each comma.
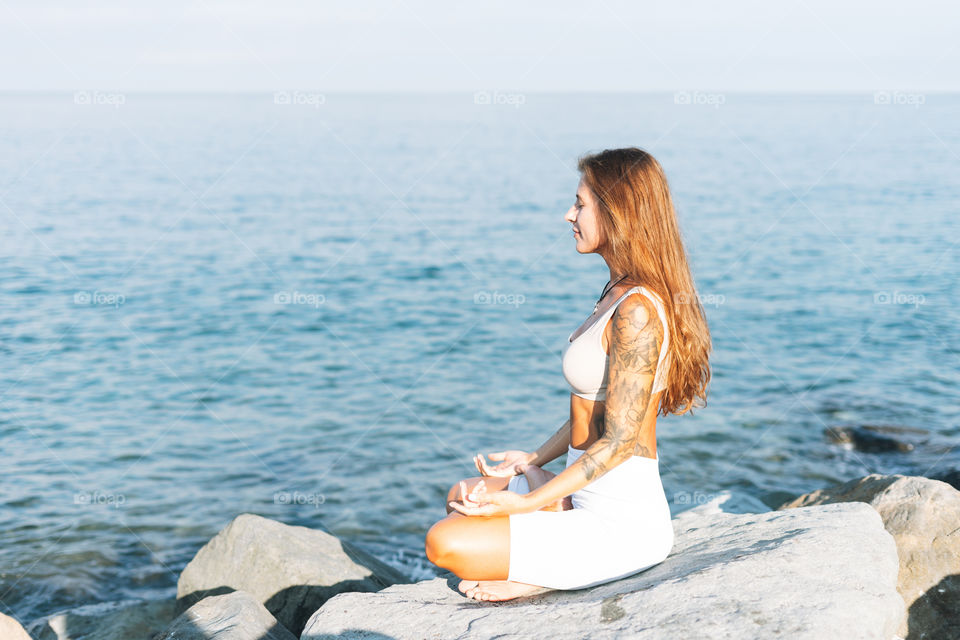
{"points": [[819, 572], [121, 620], [231, 616], [291, 570], [923, 516], [10, 629]]}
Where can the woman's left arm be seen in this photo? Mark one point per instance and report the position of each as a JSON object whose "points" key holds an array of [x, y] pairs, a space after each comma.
{"points": [[634, 350]]}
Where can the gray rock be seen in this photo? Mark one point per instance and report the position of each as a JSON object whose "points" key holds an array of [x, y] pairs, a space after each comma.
{"points": [[121, 620], [950, 476], [291, 570], [817, 572], [231, 616], [876, 438], [10, 629], [923, 516]]}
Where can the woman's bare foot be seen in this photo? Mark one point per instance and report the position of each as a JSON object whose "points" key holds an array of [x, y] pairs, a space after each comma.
{"points": [[495, 590], [564, 504]]}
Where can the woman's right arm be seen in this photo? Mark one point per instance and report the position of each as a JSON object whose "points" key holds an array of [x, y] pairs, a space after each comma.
{"points": [[511, 460], [553, 448]]}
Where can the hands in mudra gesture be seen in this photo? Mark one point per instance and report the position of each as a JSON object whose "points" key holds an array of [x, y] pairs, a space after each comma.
{"points": [[481, 502], [512, 463]]}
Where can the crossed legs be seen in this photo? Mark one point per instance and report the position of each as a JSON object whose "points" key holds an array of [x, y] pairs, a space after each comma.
{"points": [[477, 548]]}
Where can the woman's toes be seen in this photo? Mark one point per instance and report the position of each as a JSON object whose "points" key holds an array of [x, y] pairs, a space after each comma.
{"points": [[466, 585]]}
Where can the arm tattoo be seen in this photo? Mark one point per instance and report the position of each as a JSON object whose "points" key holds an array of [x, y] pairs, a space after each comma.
{"points": [[634, 351]]}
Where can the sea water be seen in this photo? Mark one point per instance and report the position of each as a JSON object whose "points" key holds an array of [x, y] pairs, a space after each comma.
{"points": [[319, 310]]}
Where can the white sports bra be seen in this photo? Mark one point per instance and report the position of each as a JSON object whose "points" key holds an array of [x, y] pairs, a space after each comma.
{"points": [[585, 361]]}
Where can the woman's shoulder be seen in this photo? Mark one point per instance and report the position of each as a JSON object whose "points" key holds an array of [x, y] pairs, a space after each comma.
{"points": [[637, 312]]}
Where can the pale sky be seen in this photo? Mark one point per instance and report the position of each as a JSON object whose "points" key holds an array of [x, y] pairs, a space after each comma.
{"points": [[415, 45]]}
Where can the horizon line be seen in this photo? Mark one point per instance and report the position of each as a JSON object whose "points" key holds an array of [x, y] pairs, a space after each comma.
{"points": [[474, 91]]}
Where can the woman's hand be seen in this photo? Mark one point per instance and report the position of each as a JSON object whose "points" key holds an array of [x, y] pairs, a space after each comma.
{"points": [[484, 503], [513, 463]]}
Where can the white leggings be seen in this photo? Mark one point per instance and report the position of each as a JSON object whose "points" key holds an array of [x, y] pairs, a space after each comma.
{"points": [[619, 525]]}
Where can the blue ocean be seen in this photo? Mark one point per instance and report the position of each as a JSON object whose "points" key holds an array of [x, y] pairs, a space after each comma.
{"points": [[318, 307]]}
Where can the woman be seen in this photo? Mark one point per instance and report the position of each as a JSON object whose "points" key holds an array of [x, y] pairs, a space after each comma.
{"points": [[643, 352]]}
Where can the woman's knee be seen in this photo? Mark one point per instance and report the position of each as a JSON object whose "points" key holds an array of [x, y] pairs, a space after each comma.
{"points": [[433, 544], [537, 477], [454, 493], [493, 483], [441, 540], [532, 468]]}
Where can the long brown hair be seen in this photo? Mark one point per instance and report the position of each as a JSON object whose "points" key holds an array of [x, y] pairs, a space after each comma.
{"points": [[639, 236]]}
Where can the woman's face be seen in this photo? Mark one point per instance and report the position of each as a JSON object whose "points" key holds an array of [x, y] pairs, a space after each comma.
{"points": [[583, 216]]}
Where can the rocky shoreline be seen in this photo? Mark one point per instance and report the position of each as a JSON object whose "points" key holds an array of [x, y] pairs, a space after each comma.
{"points": [[876, 557]]}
